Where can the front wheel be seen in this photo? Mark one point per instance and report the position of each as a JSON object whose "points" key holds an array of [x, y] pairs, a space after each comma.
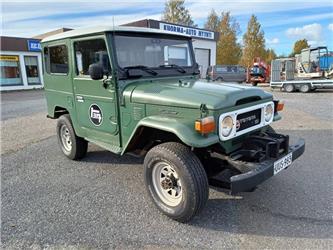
{"points": [[73, 146], [176, 180]]}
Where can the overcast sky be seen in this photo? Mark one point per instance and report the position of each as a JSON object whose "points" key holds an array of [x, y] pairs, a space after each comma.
{"points": [[283, 21]]}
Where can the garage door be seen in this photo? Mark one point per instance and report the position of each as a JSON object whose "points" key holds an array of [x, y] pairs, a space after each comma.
{"points": [[202, 58]]}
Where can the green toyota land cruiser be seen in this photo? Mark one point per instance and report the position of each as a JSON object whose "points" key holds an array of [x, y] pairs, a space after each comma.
{"points": [[137, 90]]}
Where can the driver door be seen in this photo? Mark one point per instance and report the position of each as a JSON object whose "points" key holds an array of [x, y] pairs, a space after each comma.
{"points": [[96, 105]]}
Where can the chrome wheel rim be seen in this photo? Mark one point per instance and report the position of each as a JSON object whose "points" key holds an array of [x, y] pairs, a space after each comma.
{"points": [[167, 184], [304, 88], [289, 88], [65, 137]]}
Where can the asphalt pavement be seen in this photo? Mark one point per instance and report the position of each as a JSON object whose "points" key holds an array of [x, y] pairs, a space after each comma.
{"points": [[22, 103], [48, 201]]}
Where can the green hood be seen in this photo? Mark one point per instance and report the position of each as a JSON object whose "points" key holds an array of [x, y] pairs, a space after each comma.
{"points": [[191, 94]]}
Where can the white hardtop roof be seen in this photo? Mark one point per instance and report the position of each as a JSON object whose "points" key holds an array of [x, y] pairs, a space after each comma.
{"points": [[101, 29]]}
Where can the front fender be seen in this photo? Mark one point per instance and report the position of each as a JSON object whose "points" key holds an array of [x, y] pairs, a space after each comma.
{"points": [[183, 130]]}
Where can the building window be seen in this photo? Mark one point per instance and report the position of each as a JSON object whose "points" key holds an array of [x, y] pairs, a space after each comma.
{"points": [[89, 52], [31, 67], [58, 59], [10, 73]]}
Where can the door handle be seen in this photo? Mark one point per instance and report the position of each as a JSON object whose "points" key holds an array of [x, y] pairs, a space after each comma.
{"points": [[107, 82], [79, 98]]}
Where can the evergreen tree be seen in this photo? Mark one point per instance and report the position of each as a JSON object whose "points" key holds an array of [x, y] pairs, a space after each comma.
{"points": [[176, 12], [253, 42]]}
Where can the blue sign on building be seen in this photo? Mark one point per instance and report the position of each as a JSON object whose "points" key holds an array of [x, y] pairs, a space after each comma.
{"points": [[34, 45]]}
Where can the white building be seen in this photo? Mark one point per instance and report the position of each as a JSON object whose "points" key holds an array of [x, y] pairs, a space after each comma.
{"points": [[20, 64]]}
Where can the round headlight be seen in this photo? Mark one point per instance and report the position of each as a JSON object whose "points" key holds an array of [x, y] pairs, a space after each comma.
{"points": [[268, 112], [227, 125]]}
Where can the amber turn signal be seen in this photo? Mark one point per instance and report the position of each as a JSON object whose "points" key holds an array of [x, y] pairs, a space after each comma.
{"points": [[205, 125], [280, 106]]}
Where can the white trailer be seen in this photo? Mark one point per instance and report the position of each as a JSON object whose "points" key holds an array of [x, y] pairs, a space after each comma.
{"points": [[302, 85], [283, 77]]}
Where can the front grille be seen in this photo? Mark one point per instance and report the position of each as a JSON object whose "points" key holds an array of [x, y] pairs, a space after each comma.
{"points": [[248, 119]]}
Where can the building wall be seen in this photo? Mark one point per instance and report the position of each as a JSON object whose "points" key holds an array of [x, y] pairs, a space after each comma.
{"points": [[205, 44], [22, 70]]}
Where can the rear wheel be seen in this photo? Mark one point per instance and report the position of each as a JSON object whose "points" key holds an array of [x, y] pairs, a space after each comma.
{"points": [[176, 180], [254, 84], [219, 79], [289, 88], [73, 146], [305, 88]]}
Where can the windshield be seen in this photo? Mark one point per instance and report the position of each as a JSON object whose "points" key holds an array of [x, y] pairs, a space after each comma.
{"points": [[152, 51]]}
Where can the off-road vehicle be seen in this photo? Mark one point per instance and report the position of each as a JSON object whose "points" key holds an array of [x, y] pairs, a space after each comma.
{"points": [[137, 90]]}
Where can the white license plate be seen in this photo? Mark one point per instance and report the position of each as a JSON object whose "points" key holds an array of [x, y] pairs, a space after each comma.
{"points": [[283, 163]]}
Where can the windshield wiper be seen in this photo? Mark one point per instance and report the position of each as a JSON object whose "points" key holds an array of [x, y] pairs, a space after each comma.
{"points": [[174, 66], [141, 67]]}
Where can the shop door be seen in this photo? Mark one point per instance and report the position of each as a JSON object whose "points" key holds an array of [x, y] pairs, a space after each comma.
{"points": [[202, 58]]}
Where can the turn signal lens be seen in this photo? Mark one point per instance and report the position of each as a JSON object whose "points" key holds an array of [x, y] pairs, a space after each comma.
{"points": [[205, 125], [280, 106]]}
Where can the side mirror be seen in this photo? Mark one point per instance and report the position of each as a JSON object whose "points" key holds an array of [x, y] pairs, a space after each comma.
{"points": [[96, 71]]}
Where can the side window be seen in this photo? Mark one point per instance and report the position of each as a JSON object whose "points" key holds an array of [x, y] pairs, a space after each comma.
{"points": [[221, 69], [58, 59], [241, 69], [89, 52]]}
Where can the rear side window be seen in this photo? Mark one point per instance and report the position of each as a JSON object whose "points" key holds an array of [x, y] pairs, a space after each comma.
{"points": [[58, 59], [46, 60], [91, 51]]}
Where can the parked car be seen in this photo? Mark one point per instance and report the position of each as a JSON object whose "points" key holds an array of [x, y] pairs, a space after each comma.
{"points": [[227, 73], [131, 90]]}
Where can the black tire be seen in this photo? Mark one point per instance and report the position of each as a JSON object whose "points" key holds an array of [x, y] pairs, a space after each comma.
{"points": [[191, 175], [78, 146], [305, 88], [254, 84], [219, 79], [289, 88]]}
